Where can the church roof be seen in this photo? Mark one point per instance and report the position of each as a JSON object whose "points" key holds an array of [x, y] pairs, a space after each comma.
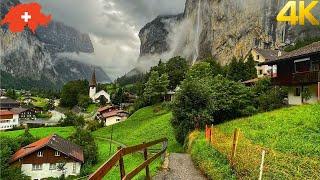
{"points": [[93, 81]]}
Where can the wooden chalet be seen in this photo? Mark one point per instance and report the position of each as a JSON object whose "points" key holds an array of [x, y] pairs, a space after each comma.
{"points": [[49, 157], [300, 71]]}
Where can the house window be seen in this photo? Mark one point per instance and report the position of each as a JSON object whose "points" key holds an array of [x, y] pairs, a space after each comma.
{"points": [[40, 154], [260, 71], [56, 153], [74, 167], [297, 92], [258, 57], [52, 167], [36, 167]]}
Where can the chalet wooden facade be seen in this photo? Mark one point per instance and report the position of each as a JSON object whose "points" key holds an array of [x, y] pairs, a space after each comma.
{"points": [[49, 157], [300, 71]]}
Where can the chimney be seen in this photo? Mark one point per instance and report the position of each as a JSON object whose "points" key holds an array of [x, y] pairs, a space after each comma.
{"points": [[279, 53]]}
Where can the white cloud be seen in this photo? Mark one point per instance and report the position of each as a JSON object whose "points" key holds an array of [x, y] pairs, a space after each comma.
{"points": [[113, 26]]}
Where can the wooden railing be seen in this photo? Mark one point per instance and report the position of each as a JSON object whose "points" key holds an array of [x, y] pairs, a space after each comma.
{"points": [[307, 77], [118, 157]]}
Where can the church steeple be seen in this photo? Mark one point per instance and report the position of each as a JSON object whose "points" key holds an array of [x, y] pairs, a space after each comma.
{"points": [[93, 82]]}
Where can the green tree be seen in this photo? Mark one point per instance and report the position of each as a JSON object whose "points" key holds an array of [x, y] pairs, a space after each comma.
{"points": [[176, 69], [237, 70], [26, 138], [250, 68], [72, 119], [11, 93], [85, 139], [84, 100], [118, 97], [190, 107], [156, 88], [199, 71], [8, 147], [216, 68], [71, 92], [204, 99]]}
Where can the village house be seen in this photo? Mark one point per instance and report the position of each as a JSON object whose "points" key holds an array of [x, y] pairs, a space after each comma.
{"points": [[298, 70], [49, 157], [264, 55], [93, 94], [24, 113], [110, 115], [8, 103], [8, 120]]}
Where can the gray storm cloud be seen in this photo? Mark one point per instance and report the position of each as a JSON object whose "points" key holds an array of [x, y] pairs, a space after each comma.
{"points": [[113, 26]]}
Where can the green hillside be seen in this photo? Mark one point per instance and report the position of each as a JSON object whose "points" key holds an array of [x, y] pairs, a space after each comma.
{"points": [[145, 125], [290, 136], [41, 132]]}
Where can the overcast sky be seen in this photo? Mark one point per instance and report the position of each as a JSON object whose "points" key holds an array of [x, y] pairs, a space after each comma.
{"points": [[113, 26]]}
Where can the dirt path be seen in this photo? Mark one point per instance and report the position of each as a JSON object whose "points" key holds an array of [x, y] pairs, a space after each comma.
{"points": [[180, 167]]}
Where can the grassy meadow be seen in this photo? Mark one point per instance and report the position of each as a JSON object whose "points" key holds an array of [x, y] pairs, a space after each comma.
{"points": [[147, 124], [290, 136]]}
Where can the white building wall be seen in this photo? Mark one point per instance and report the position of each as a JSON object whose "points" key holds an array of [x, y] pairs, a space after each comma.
{"points": [[9, 123], [46, 172], [297, 100], [114, 120], [92, 92], [102, 93]]}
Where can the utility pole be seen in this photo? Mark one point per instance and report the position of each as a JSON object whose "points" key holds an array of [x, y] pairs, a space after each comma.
{"points": [[110, 140]]}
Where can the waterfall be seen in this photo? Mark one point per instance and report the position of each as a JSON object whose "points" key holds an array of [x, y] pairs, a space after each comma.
{"points": [[197, 34]]}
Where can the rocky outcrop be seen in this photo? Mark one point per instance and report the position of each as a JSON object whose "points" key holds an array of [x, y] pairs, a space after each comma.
{"points": [[61, 38], [153, 36], [227, 28], [35, 56]]}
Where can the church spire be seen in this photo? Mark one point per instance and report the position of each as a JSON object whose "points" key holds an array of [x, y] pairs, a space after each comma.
{"points": [[93, 82]]}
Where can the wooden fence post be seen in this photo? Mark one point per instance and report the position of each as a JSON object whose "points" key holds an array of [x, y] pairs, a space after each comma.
{"points": [[211, 141], [261, 165], [163, 156], [121, 165], [234, 145], [145, 154], [206, 132]]}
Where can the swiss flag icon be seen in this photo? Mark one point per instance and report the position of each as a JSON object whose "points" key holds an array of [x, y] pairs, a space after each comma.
{"points": [[22, 15]]}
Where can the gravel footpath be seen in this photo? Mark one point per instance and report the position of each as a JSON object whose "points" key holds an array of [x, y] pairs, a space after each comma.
{"points": [[180, 167]]}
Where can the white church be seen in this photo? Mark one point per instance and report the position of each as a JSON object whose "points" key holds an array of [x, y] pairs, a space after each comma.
{"points": [[93, 94]]}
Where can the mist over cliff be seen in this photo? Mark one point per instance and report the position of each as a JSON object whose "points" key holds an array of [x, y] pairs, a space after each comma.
{"points": [[221, 29], [36, 56]]}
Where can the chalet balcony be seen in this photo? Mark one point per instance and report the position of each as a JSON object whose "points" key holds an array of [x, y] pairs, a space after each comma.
{"points": [[307, 77]]}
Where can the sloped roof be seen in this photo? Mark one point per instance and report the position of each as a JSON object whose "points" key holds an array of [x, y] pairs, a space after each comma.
{"points": [[18, 110], [56, 142], [8, 100], [93, 82], [313, 48], [104, 108], [268, 54], [114, 113], [4, 113]]}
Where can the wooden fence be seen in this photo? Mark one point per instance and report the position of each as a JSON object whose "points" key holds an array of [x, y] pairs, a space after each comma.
{"points": [[118, 157], [210, 137]]}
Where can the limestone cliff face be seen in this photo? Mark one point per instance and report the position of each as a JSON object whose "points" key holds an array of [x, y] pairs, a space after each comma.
{"points": [[227, 28], [153, 36], [35, 56]]}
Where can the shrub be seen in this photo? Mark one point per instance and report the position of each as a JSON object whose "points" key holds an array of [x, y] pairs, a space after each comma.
{"points": [[268, 97], [85, 139], [8, 147], [272, 99], [94, 125], [208, 100], [72, 119]]}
